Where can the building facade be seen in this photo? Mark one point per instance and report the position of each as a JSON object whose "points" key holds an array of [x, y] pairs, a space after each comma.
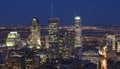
{"points": [[111, 40], [13, 39], [34, 39], [53, 37], [78, 38]]}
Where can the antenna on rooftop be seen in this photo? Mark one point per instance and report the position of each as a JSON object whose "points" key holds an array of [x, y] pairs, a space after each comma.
{"points": [[75, 12], [51, 10]]}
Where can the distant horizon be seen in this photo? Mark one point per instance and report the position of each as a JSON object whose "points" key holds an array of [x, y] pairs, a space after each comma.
{"points": [[59, 25]]}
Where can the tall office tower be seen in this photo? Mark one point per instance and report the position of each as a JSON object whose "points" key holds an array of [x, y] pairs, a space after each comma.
{"points": [[68, 47], [118, 46], [118, 51], [78, 37], [34, 39], [61, 44], [111, 42], [78, 34], [13, 39], [70, 42], [53, 38]]}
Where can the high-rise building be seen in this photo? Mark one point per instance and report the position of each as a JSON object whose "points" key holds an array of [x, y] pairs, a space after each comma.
{"points": [[78, 33], [53, 37], [61, 44], [68, 47], [118, 50], [78, 37], [111, 42], [13, 39], [118, 46], [34, 39]]}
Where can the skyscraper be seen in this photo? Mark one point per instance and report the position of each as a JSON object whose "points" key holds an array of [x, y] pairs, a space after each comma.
{"points": [[78, 37], [68, 47], [111, 40], [53, 37], [78, 34], [34, 38], [61, 44], [118, 46]]}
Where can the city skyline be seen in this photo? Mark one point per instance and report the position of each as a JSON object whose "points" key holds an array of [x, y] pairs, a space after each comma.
{"points": [[59, 47], [93, 12]]}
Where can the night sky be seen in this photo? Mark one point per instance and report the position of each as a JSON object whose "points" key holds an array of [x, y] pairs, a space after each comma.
{"points": [[92, 12]]}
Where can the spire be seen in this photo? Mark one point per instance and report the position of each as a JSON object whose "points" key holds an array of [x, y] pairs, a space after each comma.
{"points": [[75, 12], [51, 10]]}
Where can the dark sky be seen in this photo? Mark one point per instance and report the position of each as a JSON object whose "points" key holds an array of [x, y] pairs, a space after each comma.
{"points": [[92, 12]]}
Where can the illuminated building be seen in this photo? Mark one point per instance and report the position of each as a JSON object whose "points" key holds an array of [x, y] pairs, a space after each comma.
{"points": [[78, 37], [34, 39], [91, 54], [68, 47], [42, 55], [118, 46], [13, 38], [53, 37], [78, 34], [118, 50], [39, 58], [46, 41], [111, 40], [61, 44]]}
